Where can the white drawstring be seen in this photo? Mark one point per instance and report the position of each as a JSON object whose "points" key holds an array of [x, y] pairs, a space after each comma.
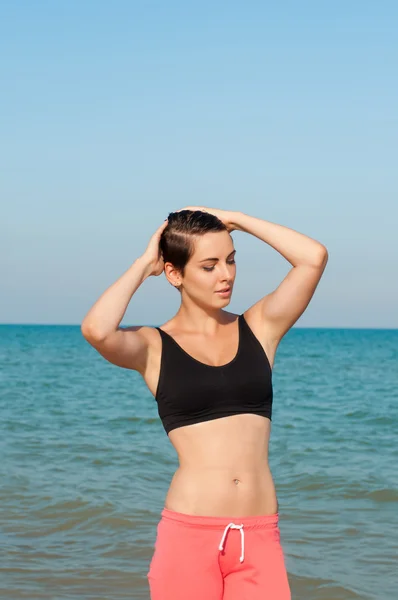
{"points": [[242, 535]]}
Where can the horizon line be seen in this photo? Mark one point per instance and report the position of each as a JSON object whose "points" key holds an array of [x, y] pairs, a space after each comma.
{"points": [[372, 328]]}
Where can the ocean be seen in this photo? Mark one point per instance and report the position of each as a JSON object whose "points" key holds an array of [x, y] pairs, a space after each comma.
{"points": [[85, 465]]}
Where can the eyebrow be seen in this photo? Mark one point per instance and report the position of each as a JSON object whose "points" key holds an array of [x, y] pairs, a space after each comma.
{"points": [[217, 259]]}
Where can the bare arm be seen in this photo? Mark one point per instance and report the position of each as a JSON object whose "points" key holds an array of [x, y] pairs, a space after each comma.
{"points": [[125, 347], [279, 310]]}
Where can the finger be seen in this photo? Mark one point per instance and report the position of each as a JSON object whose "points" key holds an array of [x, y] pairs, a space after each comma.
{"points": [[194, 208], [163, 226], [160, 230]]}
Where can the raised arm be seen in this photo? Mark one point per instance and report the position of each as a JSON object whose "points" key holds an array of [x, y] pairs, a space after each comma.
{"points": [[126, 347], [276, 313], [280, 309]]}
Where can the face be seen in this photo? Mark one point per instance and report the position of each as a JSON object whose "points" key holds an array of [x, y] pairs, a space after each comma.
{"points": [[211, 270]]}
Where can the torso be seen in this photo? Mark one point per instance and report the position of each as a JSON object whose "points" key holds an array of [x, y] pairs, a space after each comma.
{"points": [[223, 463]]}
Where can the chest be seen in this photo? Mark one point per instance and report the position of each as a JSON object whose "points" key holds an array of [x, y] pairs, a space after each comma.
{"points": [[185, 384]]}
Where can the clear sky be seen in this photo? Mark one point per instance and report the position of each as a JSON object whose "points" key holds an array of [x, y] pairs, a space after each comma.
{"points": [[115, 113]]}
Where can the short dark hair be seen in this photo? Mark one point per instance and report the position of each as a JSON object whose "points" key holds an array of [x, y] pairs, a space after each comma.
{"points": [[177, 239]]}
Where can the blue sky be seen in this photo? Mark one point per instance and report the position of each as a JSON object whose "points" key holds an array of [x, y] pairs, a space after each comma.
{"points": [[114, 114]]}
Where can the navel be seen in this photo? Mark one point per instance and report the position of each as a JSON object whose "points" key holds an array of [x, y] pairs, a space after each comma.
{"points": [[236, 481]]}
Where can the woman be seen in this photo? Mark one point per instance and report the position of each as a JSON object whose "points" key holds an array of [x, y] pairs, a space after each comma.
{"points": [[211, 373]]}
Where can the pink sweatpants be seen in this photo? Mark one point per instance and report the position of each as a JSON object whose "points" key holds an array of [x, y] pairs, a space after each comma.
{"points": [[218, 558]]}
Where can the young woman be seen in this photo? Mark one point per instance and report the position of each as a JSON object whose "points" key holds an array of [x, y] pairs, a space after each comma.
{"points": [[211, 373]]}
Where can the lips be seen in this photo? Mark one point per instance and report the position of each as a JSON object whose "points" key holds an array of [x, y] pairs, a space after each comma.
{"points": [[224, 290]]}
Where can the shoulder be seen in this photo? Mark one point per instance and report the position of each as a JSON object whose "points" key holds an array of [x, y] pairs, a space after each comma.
{"points": [[255, 321], [148, 335]]}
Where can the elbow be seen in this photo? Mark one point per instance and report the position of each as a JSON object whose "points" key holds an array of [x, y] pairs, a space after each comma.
{"points": [[85, 330], [323, 256], [89, 333]]}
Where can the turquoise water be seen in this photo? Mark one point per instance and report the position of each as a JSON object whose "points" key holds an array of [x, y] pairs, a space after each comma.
{"points": [[85, 466]]}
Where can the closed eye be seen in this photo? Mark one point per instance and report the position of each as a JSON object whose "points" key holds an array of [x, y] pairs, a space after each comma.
{"points": [[229, 262]]}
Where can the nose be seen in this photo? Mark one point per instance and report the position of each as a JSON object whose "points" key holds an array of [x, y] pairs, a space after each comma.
{"points": [[228, 272]]}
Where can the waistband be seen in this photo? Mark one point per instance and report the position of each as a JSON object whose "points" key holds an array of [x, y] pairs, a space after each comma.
{"points": [[255, 522]]}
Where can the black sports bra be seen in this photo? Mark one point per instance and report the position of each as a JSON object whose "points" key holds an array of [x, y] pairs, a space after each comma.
{"points": [[190, 391]]}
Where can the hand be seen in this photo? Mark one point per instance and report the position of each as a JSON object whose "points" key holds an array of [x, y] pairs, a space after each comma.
{"points": [[152, 255], [226, 216]]}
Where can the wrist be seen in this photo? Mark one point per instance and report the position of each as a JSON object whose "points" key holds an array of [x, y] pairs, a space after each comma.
{"points": [[235, 219], [144, 265]]}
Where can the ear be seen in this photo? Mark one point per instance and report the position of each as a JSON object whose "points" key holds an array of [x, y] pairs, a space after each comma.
{"points": [[173, 275]]}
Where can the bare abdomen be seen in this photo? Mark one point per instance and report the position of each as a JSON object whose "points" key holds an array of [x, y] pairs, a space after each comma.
{"points": [[220, 492]]}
